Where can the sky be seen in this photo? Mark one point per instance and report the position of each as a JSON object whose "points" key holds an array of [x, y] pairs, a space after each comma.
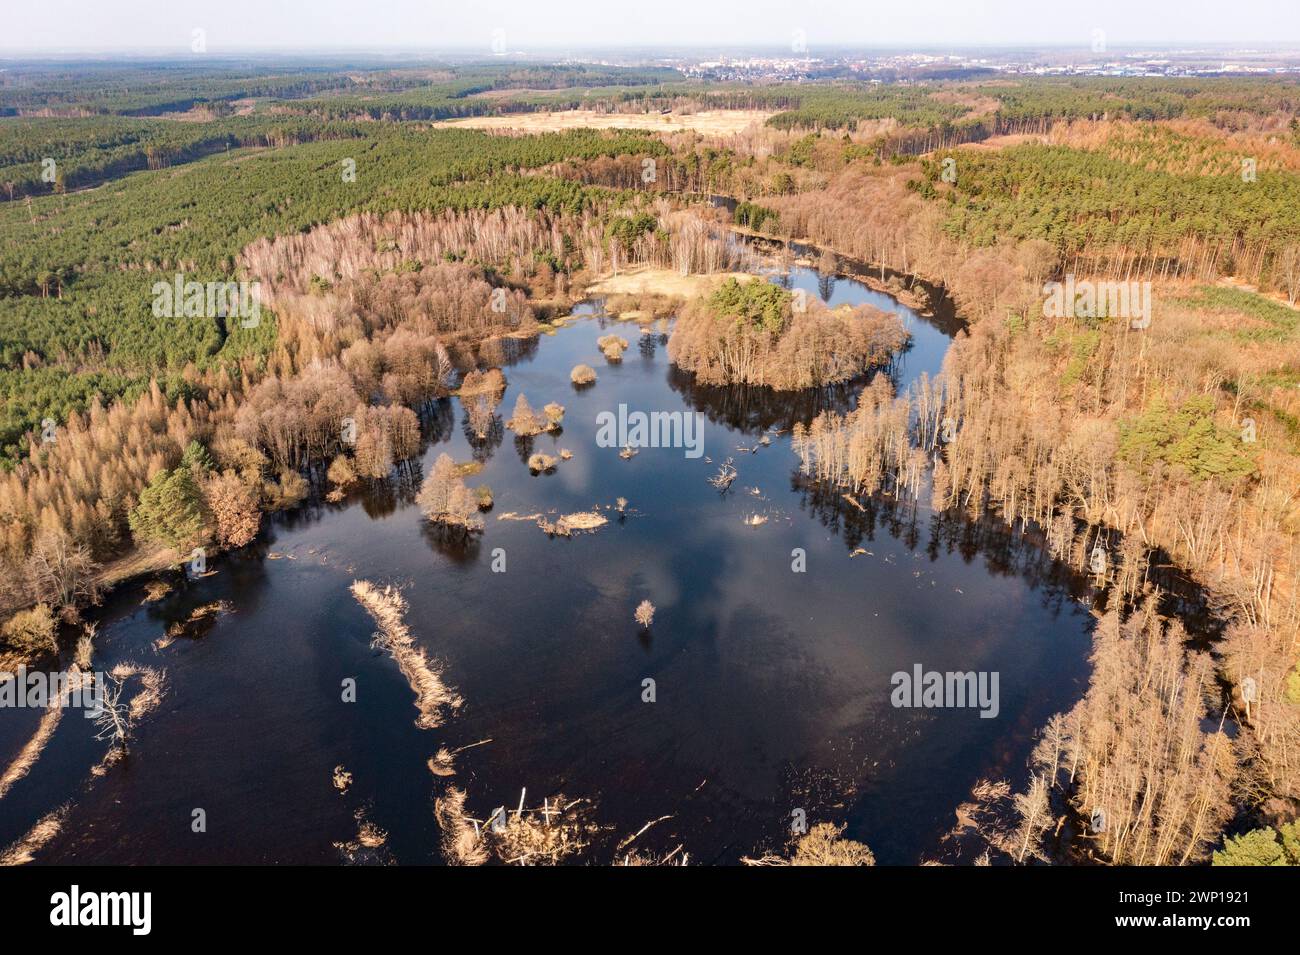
{"points": [[54, 26]]}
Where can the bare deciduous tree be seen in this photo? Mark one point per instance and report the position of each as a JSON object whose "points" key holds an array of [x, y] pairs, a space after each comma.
{"points": [[61, 571], [445, 500], [114, 718]]}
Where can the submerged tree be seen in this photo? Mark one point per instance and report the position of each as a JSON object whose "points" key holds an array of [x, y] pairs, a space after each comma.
{"points": [[645, 613], [113, 719], [526, 422], [1140, 751], [479, 416], [446, 500]]}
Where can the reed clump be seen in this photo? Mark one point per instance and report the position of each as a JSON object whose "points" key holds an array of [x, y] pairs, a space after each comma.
{"points": [[388, 609]]}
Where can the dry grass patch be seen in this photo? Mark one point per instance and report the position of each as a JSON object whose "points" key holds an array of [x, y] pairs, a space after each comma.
{"points": [[582, 375], [198, 615], [581, 521], [708, 122], [153, 686], [31, 752], [642, 308], [388, 608], [47, 827], [532, 839], [612, 347], [644, 281], [155, 590], [461, 844]]}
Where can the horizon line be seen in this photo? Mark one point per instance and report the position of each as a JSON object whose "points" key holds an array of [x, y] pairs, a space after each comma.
{"points": [[181, 51]]}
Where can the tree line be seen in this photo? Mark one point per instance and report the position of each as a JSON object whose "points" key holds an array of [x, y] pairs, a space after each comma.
{"points": [[1131, 448]]}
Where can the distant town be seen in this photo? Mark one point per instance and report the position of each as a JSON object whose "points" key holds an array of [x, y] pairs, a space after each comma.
{"points": [[1094, 57]]}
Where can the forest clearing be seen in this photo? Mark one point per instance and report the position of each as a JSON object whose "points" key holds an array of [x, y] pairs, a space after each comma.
{"points": [[706, 122]]}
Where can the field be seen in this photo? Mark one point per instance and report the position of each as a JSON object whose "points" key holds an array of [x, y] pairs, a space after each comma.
{"points": [[708, 122]]}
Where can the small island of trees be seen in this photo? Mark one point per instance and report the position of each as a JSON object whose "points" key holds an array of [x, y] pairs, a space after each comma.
{"points": [[757, 333]]}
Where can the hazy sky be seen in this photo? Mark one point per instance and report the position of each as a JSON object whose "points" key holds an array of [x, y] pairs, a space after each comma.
{"points": [[233, 25]]}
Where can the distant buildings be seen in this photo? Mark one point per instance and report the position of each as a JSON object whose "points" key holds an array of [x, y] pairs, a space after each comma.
{"points": [[896, 65]]}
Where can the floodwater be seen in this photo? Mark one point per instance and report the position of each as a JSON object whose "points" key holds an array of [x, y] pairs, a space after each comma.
{"points": [[771, 687]]}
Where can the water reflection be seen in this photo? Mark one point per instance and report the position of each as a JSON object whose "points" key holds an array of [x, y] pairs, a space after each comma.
{"points": [[384, 498], [754, 410], [773, 684]]}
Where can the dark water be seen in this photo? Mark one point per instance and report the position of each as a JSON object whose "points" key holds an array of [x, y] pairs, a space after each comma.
{"points": [[772, 687]]}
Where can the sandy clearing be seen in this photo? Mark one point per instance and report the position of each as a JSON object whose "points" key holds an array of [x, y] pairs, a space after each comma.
{"points": [[711, 122], [646, 281], [1005, 141]]}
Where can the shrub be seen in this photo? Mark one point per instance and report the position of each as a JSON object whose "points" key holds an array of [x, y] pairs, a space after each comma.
{"points": [[824, 845], [341, 473], [489, 382], [582, 375], [31, 631], [612, 347], [288, 492], [525, 421], [645, 613]]}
